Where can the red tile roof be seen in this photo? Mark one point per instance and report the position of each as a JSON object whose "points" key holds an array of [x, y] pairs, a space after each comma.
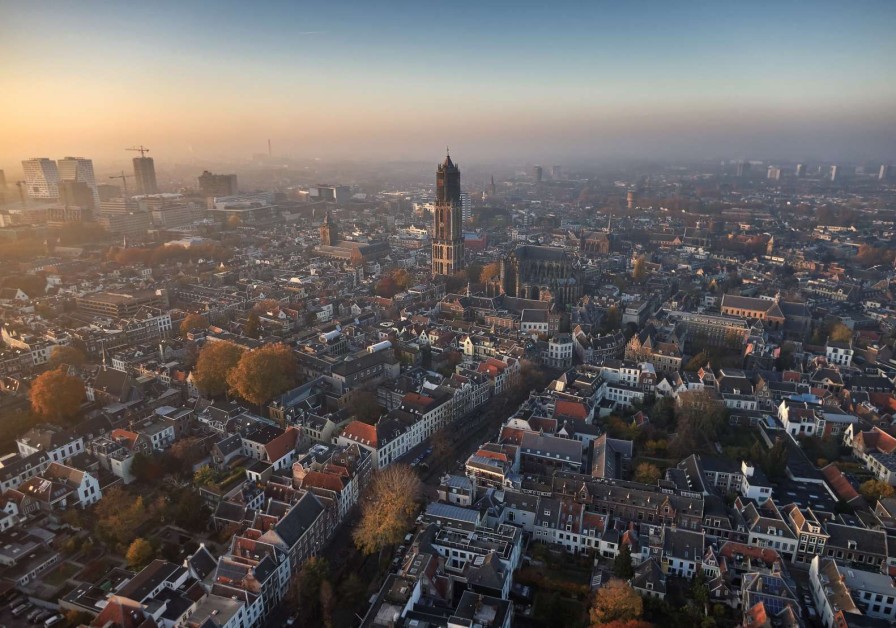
{"points": [[283, 444], [842, 488], [570, 409], [361, 432]]}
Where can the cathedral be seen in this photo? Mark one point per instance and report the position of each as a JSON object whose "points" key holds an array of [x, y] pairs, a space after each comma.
{"points": [[542, 273], [448, 233]]}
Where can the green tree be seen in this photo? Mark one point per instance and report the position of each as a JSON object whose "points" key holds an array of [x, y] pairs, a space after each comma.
{"points": [[56, 396], [389, 508], [204, 476], [263, 373], [139, 553], [622, 564], [215, 361]]}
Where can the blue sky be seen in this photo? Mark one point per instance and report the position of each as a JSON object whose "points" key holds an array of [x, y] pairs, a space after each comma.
{"points": [[494, 79]]}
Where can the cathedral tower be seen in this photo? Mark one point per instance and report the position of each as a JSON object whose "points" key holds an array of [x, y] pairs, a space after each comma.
{"points": [[448, 235], [329, 231]]}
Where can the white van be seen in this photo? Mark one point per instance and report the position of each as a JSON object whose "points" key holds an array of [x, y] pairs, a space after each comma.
{"points": [[52, 621]]}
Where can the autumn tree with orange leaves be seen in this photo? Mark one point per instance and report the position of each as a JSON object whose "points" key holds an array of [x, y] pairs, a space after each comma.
{"points": [[56, 396]]}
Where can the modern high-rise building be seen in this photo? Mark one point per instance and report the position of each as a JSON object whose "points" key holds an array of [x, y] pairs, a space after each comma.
{"points": [[145, 175], [212, 185], [537, 173], [774, 173], [2, 187], [555, 172], [77, 194], [41, 178], [631, 198], [882, 175], [448, 233], [834, 172], [800, 170], [79, 170], [466, 207]]}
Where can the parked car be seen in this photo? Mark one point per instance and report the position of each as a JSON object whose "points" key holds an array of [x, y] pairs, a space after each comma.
{"points": [[52, 621], [21, 609]]}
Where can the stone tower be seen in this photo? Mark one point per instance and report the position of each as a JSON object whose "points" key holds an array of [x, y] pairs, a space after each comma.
{"points": [[448, 235]]}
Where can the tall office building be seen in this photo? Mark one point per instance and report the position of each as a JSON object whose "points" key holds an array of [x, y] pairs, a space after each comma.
{"points": [[217, 184], [2, 187], [41, 178], [882, 175], [77, 194], [145, 175], [774, 173], [555, 172], [800, 170], [834, 172], [79, 170], [466, 207], [448, 233], [537, 173]]}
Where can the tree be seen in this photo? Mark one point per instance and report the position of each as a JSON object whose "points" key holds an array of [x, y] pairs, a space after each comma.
{"points": [[697, 362], [873, 490], [615, 601], [56, 396], [204, 476], [263, 373], [186, 452], [840, 333], [327, 602], [622, 564], [647, 473], [307, 587], [639, 269], [119, 514], [253, 325], [215, 361], [474, 272], [191, 322], [364, 405], [441, 442], [389, 508], [146, 468], [139, 553], [386, 287], [65, 355], [490, 272], [612, 319]]}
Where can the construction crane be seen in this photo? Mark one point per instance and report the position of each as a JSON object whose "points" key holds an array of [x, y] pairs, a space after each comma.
{"points": [[140, 149], [124, 181]]}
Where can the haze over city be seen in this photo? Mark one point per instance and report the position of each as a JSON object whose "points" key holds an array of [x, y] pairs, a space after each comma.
{"points": [[447, 315], [521, 80]]}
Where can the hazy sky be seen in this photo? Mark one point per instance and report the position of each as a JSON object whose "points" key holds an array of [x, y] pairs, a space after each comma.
{"points": [[548, 80]]}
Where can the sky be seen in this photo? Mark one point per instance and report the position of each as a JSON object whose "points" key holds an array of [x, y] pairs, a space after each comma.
{"points": [[549, 81]]}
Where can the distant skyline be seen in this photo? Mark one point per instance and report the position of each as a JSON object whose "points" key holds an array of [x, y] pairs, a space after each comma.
{"points": [[552, 82]]}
